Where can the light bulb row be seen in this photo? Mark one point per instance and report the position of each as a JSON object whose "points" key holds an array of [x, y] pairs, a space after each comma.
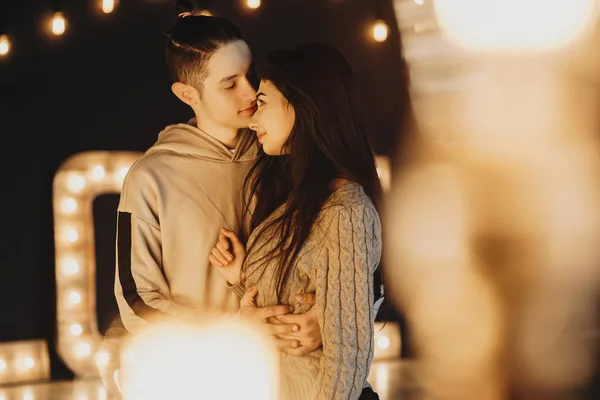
{"points": [[23, 361], [58, 23]]}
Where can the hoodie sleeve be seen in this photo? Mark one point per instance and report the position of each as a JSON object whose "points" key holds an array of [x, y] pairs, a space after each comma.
{"points": [[141, 290]]}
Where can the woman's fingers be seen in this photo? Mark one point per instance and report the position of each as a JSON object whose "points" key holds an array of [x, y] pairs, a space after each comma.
{"points": [[219, 257]]}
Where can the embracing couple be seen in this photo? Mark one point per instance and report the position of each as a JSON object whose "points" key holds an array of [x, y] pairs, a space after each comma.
{"points": [[276, 191]]}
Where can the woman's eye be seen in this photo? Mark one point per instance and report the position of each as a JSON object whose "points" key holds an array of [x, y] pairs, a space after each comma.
{"points": [[231, 87]]}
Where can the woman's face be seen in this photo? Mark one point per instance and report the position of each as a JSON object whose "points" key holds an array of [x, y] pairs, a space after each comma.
{"points": [[273, 120]]}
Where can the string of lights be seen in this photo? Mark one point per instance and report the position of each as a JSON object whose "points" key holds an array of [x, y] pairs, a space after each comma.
{"points": [[58, 25]]}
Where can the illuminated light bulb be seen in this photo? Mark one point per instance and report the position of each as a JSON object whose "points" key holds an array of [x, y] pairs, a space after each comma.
{"points": [[120, 175], [380, 31], [68, 205], [74, 297], [108, 6], [58, 23], [71, 235], [27, 363], [97, 173], [4, 45], [70, 267], [28, 394], [101, 393], [102, 359], [76, 183], [509, 25], [253, 3], [383, 342], [83, 350], [76, 329], [2, 365]]}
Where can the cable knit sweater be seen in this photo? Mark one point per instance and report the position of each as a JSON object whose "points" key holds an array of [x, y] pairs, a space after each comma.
{"points": [[337, 263]]}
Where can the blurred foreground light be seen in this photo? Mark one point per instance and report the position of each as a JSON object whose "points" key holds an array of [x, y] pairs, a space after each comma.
{"points": [[4, 45], [253, 3], [58, 23], [206, 13], [513, 25], [225, 360], [108, 6], [380, 31]]}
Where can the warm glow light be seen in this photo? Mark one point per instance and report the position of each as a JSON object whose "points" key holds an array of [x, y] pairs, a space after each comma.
{"points": [[383, 165], [70, 267], [27, 363], [28, 394], [23, 360], [253, 3], [513, 24], [172, 361], [388, 341], [75, 183], [383, 342], [82, 177], [102, 359], [108, 6], [97, 173], [120, 175], [4, 45], [68, 205], [59, 23], [76, 329], [380, 31], [74, 297], [206, 13], [419, 2], [83, 350], [71, 235]]}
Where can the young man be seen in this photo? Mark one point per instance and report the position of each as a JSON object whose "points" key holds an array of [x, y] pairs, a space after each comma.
{"points": [[187, 186]]}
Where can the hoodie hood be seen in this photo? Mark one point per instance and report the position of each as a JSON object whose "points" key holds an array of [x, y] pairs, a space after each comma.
{"points": [[189, 140]]}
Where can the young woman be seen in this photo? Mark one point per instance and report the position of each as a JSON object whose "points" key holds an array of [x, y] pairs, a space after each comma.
{"points": [[312, 203]]}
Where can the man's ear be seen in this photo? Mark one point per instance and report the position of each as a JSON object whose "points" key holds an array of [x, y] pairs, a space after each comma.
{"points": [[186, 93]]}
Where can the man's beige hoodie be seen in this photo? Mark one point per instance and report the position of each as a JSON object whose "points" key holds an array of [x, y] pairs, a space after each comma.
{"points": [[174, 201]]}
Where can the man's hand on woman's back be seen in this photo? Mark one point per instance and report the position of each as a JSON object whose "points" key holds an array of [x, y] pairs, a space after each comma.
{"points": [[296, 334]]}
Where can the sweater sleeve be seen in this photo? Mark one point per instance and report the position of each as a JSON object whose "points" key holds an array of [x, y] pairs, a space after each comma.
{"points": [[239, 289], [345, 302]]}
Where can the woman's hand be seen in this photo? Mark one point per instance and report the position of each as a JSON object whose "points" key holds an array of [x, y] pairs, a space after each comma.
{"points": [[228, 256]]}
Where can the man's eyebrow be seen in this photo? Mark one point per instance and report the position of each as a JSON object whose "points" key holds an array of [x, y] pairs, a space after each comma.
{"points": [[228, 78]]}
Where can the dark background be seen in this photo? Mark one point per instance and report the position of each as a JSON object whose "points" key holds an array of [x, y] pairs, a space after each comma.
{"points": [[104, 86]]}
